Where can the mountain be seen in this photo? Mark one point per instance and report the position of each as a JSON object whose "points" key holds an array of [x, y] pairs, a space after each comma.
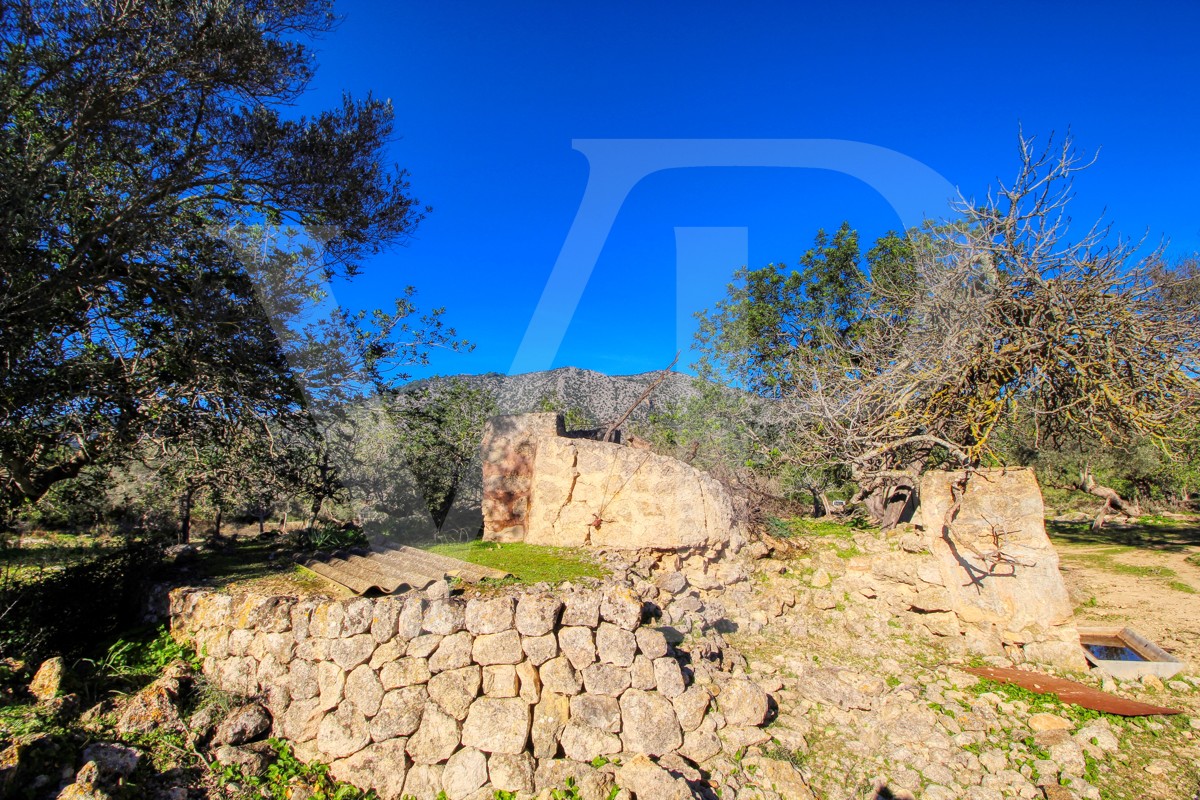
{"points": [[602, 398]]}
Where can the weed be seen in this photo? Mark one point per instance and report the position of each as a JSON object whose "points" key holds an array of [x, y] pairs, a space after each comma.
{"points": [[892, 681], [142, 656], [778, 752], [286, 772]]}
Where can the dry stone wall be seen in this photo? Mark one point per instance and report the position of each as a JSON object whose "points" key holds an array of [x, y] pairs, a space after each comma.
{"points": [[420, 694]]}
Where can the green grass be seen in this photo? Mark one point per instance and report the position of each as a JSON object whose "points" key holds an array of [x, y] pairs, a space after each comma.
{"points": [[1105, 559], [1180, 586], [528, 563], [805, 526]]}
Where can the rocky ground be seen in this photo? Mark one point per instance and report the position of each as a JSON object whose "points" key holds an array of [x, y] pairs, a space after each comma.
{"points": [[870, 703]]}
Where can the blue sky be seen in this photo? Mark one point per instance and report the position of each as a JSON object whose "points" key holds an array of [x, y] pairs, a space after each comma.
{"points": [[490, 97]]}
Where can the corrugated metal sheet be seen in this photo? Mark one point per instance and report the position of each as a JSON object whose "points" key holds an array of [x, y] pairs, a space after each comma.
{"points": [[1072, 692], [389, 570]]}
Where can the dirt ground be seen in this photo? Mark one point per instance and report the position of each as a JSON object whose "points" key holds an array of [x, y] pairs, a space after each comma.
{"points": [[1145, 575]]}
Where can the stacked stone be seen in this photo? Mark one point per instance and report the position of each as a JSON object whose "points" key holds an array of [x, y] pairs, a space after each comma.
{"points": [[418, 694]]}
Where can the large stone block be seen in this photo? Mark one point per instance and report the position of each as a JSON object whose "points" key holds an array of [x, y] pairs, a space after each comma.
{"points": [[1001, 510]]}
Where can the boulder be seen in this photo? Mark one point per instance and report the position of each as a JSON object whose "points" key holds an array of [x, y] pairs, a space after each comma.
{"points": [[576, 643], [560, 677], [364, 690], [550, 716], [615, 645], [382, 766], [584, 743], [620, 606], [498, 648], [597, 711], [540, 649], [646, 779], [455, 690]]}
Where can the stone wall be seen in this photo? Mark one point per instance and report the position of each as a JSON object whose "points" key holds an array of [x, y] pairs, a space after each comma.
{"points": [[954, 582], [543, 487], [419, 694]]}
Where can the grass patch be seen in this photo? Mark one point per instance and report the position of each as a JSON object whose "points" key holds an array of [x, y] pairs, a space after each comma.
{"points": [[1105, 559], [805, 526], [528, 563], [1180, 586]]}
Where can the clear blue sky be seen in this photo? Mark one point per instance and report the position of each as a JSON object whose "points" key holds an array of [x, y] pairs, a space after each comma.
{"points": [[490, 96]]}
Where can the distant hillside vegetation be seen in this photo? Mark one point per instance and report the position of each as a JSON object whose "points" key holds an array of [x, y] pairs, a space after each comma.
{"points": [[600, 397]]}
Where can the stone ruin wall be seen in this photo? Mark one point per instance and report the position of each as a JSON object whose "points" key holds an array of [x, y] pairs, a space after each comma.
{"points": [[1020, 610], [414, 695], [542, 486]]}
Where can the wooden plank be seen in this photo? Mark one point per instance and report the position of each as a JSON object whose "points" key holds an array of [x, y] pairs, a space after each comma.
{"points": [[1071, 692]]}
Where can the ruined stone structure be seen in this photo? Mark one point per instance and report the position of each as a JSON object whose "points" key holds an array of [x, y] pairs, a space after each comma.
{"points": [[992, 577], [543, 486], [421, 694]]}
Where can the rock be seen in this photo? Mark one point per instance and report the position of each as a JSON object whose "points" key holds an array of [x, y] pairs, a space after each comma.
{"points": [[615, 645], [1036, 597], [620, 606], [668, 677], [455, 690], [646, 779], [490, 616], [301, 721], [591, 784], [560, 677], [602, 713], [540, 649], [343, 732], [112, 760], [500, 680], [606, 679], [641, 673], [700, 745], [498, 648], [348, 653], [465, 772], [742, 702], [382, 766], [537, 614], [671, 582], [1153, 683], [582, 608], [400, 712], [497, 725], [529, 682], [931, 600], [784, 779], [243, 724], [1098, 737], [436, 738], [820, 579], [648, 723], [412, 615], [364, 690], [651, 642], [576, 643], [48, 680], [423, 780], [151, 710], [331, 681], [549, 718], [250, 761], [1069, 757], [454, 652], [511, 773], [444, 616], [405, 672], [181, 554], [584, 743], [690, 707], [385, 613], [423, 646], [1049, 722], [942, 623]]}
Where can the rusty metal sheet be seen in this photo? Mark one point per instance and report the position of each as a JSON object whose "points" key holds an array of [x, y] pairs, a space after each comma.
{"points": [[1071, 692], [390, 570]]}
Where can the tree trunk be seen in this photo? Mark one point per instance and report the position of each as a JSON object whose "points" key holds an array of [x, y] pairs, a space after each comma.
{"points": [[217, 524], [185, 516], [262, 520], [1112, 500]]}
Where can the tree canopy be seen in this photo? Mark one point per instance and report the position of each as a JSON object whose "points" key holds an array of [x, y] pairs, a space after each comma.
{"points": [[135, 140], [955, 330]]}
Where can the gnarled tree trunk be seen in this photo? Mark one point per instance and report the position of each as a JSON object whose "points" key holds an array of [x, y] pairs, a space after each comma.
{"points": [[1112, 500]]}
